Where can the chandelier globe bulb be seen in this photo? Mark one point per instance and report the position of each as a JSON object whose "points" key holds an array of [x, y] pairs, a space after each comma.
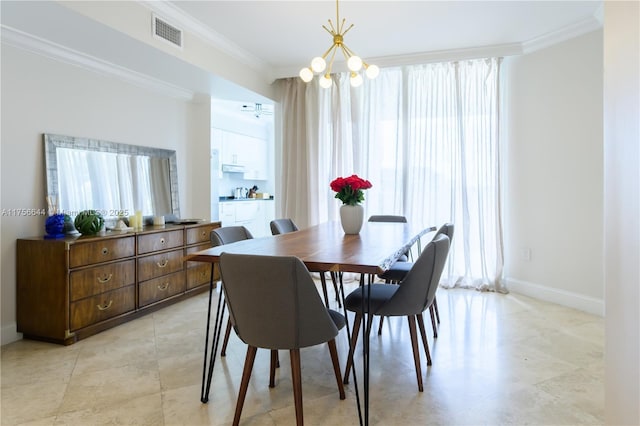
{"points": [[325, 81], [318, 64], [306, 75], [354, 63], [356, 79], [372, 71]]}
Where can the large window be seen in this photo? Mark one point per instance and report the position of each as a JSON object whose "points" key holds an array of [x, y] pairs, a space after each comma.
{"points": [[427, 138]]}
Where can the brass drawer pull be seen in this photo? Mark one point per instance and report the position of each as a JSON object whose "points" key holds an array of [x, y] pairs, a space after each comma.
{"points": [[163, 263], [204, 234], [104, 279], [161, 240], [105, 306], [105, 251], [163, 287]]}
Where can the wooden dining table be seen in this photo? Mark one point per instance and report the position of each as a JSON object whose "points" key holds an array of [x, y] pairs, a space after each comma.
{"points": [[322, 248]]}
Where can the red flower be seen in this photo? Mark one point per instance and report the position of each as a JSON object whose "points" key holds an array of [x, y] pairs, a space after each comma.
{"points": [[349, 190]]}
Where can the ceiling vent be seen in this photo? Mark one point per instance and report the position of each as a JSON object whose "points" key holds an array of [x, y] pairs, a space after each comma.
{"points": [[165, 31]]}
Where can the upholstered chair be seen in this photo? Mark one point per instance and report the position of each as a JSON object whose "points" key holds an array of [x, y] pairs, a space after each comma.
{"points": [[219, 237], [410, 298], [274, 304], [398, 270]]}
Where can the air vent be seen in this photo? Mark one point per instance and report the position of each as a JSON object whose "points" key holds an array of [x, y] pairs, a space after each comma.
{"points": [[167, 32]]}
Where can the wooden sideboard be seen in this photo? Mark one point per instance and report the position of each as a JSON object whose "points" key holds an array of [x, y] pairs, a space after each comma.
{"points": [[74, 287]]}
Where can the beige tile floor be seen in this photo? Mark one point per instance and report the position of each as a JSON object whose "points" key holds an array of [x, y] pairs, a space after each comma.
{"points": [[498, 360]]}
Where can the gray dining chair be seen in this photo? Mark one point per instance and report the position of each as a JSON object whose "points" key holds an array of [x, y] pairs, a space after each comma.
{"points": [[409, 298], [219, 237], [274, 305], [286, 225], [394, 219], [399, 270], [282, 226]]}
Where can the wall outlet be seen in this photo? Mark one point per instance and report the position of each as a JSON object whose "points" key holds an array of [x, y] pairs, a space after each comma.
{"points": [[525, 254]]}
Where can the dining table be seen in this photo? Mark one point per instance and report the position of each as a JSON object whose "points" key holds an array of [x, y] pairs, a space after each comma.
{"points": [[322, 248]]}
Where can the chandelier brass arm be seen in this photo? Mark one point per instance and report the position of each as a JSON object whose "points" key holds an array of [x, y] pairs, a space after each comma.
{"points": [[354, 62]]}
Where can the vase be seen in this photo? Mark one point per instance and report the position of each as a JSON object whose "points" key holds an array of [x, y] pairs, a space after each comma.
{"points": [[351, 218]]}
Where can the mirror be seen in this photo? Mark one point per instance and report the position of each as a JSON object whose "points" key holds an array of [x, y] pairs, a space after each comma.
{"points": [[113, 178]]}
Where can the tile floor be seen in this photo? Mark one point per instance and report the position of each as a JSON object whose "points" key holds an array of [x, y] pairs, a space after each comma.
{"points": [[498, 360]]}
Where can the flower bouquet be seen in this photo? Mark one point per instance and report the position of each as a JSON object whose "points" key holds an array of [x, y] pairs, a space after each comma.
{"points": [[349, 190]]}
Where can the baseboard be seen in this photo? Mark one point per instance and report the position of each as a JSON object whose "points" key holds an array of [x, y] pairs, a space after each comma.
{"points": [[554, 295], [9, 334]]}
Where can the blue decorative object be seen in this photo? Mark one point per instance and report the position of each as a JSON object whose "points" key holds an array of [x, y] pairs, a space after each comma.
{"points": [[54, 226]]}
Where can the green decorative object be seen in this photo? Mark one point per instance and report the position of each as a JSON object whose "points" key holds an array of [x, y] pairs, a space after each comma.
{"points": [[89, 222]]}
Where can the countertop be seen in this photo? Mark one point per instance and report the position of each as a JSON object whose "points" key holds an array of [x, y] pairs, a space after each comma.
{"points": [[233, 199]]}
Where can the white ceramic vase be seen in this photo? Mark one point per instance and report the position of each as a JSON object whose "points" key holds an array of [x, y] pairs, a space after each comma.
{"points": [[351, 218]]}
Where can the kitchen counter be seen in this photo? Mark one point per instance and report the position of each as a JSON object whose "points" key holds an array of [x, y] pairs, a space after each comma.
{"points": [[229, 199]]}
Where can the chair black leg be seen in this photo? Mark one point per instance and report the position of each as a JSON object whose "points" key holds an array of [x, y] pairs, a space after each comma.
{"points": [[433, 321], [416, 353], [354, 339], [272, 368], [423, 333], [380, 325], [324, 289], [244, 384], [296, 378], [336, 366], [334, 280], [225, 342], [435, 305]]}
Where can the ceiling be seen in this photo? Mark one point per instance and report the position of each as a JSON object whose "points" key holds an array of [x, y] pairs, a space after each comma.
{"points": [[287, 34], [280, 37]]}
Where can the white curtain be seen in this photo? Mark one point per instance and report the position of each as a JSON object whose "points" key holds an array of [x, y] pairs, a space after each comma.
{"points": [[427, 138]]}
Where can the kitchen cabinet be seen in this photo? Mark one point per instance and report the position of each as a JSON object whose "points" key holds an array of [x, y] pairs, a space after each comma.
{"points": [[242, 150], [255, 215], [256, 165]]}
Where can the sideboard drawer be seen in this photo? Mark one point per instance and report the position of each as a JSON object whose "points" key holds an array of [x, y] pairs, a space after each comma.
{"points": [[160, 288], [96, 280], [159, 264], [193, 249], [104, 306], [201, 234], [198, 275], [160, 241], [82, 254]]}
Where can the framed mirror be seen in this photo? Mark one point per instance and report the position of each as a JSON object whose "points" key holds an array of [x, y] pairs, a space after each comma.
{"points": [[113, 178]]}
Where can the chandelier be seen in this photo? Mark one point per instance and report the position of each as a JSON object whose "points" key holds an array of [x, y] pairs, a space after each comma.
{"points": [[354, 62]]}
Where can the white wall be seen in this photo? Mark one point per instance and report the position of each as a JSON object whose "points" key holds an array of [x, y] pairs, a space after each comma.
{"points": [[622, 211], [554, 176], [198, 159], [39, 96]]}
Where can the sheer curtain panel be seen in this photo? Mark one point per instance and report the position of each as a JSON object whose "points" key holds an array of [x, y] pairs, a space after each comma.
{"points": [[426, 136]]}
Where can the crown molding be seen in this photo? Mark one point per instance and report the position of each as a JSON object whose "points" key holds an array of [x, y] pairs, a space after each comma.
{"points": [[188, 23], [501, 50], [571, 31], [21, 40]]}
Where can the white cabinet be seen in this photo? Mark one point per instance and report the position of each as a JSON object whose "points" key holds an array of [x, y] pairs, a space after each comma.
{"points": [[255, 215], [227, 214], [242, 150], [256, 160]]}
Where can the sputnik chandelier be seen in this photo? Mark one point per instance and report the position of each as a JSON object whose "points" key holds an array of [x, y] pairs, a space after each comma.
{"points": [[354, 62]]}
